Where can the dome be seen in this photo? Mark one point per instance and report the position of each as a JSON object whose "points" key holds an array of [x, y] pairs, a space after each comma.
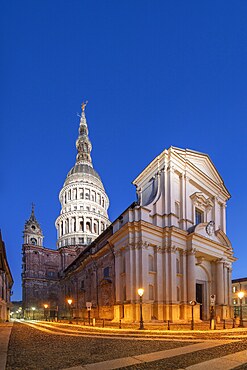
{"points": [[84, 169]]}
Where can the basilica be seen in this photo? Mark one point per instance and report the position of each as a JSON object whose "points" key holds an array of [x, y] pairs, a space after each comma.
{"points": [[171, 242]]}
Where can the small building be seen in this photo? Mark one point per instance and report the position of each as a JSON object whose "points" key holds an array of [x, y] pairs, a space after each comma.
{"points": [[239, 285], [6, 283]]}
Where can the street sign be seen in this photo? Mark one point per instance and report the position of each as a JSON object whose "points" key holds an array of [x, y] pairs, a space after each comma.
{"points": [[212, 299], [89, 306]]}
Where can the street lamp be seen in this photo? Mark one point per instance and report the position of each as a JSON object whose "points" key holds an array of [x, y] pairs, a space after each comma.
{"points": [[33, 309], [69, 300], [140, 293], [240, 296], [45, 311], [192, 303]]}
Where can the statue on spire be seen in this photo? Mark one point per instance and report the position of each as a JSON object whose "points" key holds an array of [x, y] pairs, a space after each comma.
{"points": [[83, 106]]}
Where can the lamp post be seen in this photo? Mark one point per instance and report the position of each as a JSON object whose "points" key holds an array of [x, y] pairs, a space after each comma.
{"points": [[192, 303], [33, 309], [240, 296], [140, 293], [70, 313], [45, 311]]}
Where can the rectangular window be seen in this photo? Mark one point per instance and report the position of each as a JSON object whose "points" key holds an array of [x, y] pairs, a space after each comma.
{"points": [[82, 285], [106, 272], [199, 216]]}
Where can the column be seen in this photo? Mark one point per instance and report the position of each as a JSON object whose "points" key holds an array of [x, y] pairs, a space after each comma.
{"points": [[184, 278], [182, 202], [225, 276], [159, 276], [191, 275], [138, 278], [128, 273], [219, 282], [166, 276], [173, 275], [223, 210], [229, 277], [170, 187], [187, 216], [77, 223], [118, 276]]}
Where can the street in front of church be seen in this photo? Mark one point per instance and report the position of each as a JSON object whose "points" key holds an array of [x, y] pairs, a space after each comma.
{"points": [[54, 345]]}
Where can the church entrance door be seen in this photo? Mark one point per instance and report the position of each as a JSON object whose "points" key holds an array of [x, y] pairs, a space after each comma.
{"points": [[199, 297]]}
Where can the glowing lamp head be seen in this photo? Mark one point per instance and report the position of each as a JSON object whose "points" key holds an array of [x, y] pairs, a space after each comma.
{"points": [[69, 301], [33, 308], [140, 292], [45, 305], [240, 295]]}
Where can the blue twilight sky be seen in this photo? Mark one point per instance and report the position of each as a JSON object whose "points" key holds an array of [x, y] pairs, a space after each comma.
{"points": [[156, 73]]}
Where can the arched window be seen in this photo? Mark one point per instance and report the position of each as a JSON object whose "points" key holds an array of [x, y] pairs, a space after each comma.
{"points": [[88, 226], [150, 262], [177, 266], [103, 202], [33, 241], [81, 226], [95, 228]]}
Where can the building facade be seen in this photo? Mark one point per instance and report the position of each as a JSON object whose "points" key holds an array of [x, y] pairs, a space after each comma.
{"points": [[6, 283], [239, 285], [171, 242]]}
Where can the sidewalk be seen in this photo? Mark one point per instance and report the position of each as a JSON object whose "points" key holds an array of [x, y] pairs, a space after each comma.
{"points": [[5, 330]]}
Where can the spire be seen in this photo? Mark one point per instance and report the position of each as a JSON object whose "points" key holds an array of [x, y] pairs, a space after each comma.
{"points": [[32, 217], [83, 143]]}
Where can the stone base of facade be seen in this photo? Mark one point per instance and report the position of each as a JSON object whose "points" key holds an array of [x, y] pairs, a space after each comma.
{"points": [[156, 312]]}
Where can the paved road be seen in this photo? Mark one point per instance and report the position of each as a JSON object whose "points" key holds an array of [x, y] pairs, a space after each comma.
{"points": [[43, 345]]}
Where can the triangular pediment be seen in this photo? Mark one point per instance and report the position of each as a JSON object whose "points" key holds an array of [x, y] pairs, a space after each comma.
{"points": [[203, 163]]}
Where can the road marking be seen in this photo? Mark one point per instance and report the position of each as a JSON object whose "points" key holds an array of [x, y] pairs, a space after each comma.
{"points": [[149, 357], [226, 362]]}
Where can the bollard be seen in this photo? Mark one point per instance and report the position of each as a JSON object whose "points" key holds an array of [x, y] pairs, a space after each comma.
{"points": [[103, 324], [212, 324], [120, 326], [168, 324], [224, 324]]}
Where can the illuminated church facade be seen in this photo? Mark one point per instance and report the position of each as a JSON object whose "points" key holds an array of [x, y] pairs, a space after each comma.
{"points": [[171, 242]]}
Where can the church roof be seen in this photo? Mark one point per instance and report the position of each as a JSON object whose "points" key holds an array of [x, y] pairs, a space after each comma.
{"points": [[83, 168]]}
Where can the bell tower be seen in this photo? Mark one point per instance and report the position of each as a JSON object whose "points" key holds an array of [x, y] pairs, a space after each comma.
{"points": [[32, 233]]}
